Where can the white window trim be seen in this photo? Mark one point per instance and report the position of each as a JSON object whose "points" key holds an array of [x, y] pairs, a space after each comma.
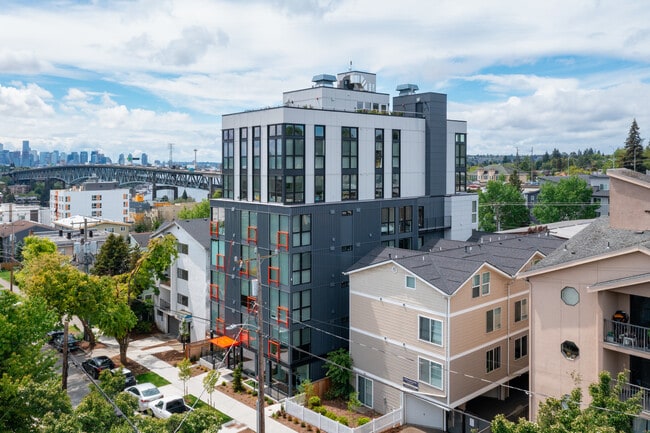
{"points": [[442, 376], [442, 331], [372, 390], [406, 282]]}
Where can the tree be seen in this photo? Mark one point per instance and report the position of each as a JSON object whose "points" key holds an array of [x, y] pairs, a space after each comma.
{"points": [[633, 148], [26, 369], [501, 207], [514, 180], [200, 210], [113, 258], [184, 372], [209, 382], [606, 413], [569, 199], [237, 385], [339, 371]]}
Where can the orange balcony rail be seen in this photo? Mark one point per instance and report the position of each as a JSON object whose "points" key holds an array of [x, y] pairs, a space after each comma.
{"points": [[214, 228], [251, 304], [244, 268], [274, 275], [283, 315], [214, 292], [220, 326], [274, 349], [221, 262], [251, 234], [282, 240]]}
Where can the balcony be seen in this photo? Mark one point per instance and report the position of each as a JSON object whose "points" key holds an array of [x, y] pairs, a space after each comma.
{"points": [[628, 391], [163, 305], [626, 335]]}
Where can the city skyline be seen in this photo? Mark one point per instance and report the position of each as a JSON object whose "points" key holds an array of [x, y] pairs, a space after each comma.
{"points": [[132, 77]]}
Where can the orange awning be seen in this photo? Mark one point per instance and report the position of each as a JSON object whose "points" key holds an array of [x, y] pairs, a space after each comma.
{"points": [[224, 342]]}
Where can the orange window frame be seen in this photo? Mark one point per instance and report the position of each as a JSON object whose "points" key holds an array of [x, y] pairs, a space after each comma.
{"points": [[274, 271], [274, 349], [221, 262], [214, 292], [244, 268], [214, 228], [251, 234], [251, 304], [220, 326], [283, 315], [282, 240]]}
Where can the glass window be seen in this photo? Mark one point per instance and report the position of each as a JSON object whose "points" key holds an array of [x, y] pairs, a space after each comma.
{"points": [[182, 248], [387, 221], [405, 219], [430, 372], [181, 274], [364, 390], [279, 230], [349, 147], [319, 188], [295, 146], [348, 187], [410, 282], [430, 330], [485, 283], [493, 319], [570, 296], [521, 347], [521, 310], [294, 189], [301, 230], [379, 185], [319, 147], [301, 270], [379, 148], [493, 359], [301, 308], [570, 350]]}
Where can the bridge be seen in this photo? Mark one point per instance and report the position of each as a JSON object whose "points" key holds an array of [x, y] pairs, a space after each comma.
{"points": [[125, 175]]}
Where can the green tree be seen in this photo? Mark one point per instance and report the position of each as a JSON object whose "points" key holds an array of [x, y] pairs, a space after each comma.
{"points": [[201, 420], [514, 180], [339, 371], [184, 372], [26, 369], [237, 384], [210, 382], [633, 149], [569, 199], [113, 258], [200, 210], [606, 413], [501, 207]]}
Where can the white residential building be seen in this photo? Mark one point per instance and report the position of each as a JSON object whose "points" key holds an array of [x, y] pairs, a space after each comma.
{"points": [[92, 199]]}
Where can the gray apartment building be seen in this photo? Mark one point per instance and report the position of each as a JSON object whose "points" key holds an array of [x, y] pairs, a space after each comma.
{"points": [[312, 186]]}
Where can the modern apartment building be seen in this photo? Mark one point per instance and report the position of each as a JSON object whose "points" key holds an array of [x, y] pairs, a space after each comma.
{"points": [[590, 301], [432, 331], [103, 200], [312, 186]]}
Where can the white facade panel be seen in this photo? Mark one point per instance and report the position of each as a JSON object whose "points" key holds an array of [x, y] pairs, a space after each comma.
{"points": [[463, 214]]}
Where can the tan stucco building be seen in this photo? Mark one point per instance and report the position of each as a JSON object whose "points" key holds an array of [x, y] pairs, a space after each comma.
{"points": [[590, 301]]}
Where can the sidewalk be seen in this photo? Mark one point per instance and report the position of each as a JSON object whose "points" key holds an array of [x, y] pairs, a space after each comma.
{"points": [[142, 352]]}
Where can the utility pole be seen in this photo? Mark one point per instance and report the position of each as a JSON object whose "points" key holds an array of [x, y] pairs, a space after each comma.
{"points": [[171, 146], [195, 167]]}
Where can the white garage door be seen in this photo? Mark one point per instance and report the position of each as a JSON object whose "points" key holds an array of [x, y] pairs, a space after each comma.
{"points": [[419, 412]]}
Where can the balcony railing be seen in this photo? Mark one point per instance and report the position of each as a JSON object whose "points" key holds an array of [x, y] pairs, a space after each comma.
{"points": [[628, 391], [627, 335], [163, 305]]}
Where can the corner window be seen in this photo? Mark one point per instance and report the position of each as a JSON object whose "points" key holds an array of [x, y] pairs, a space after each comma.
{"points": [[570, 296], [521, 310], [410, 282], [570, 350], [430, 330]]}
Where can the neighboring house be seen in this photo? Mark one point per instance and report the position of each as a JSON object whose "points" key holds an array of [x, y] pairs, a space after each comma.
{"points": [[311, 187], [139, 240], [590, 301], [599, 184], [81, 246], [10, 212], [92, 199], [81, 223], [493, 172], [13, 234], [432, 331], [182, 304]]}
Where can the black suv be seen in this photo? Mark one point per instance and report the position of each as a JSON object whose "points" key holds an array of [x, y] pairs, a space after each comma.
{"points": [[94, 366], [73, 343]]}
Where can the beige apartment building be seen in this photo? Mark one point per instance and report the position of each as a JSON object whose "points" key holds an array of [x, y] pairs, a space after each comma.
{"points": [[590, 301], [432, 331]]}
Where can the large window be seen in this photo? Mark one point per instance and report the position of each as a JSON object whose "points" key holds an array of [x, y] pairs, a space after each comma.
{"points": [[275, 147], [430, 372], [521, 310], [379, 163], [364, 390], [521, 347], [279, 231], [249, 226], [301, 230], [349, 147], [243, 163], [319, 147], [387, 221], [278, 305], [275, 188], [294, 189], [257, 156], [396, 161], [319, 188], [301, 268], [493, 359], [181, 274], [430, 330], [461, 162], [294, 140], [349, 187], [493, 319], [228, 149], [301, 306], [405, 219]]}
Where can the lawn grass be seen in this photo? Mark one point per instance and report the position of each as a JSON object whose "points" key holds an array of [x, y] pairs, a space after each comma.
{"points": [[5, 275], [152, 377], [190, 399]]}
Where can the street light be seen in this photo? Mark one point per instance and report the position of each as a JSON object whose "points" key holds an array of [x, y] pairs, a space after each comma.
{"points": [[257, 292]]}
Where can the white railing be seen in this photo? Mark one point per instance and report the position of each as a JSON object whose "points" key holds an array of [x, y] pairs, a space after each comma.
{"points": [[294, 407]]}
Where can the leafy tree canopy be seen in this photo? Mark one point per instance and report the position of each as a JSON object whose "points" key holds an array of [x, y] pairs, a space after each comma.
{"points": [[569, 199], [634, 149], [501, 207], [339, 370], [113, 257], [200, 210]]}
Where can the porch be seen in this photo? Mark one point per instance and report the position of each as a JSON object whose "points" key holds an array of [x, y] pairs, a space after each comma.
{"points": [[626, 335]]}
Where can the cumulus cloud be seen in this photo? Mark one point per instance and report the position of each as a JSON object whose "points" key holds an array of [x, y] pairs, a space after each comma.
{"points": [[28, 101], [187, 49]]}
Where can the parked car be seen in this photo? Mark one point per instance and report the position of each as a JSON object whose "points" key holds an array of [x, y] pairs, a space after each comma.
{"points": [[129, 378], [73, 343], [53, 335], [146, 393], [94, 366], [167, 406]]}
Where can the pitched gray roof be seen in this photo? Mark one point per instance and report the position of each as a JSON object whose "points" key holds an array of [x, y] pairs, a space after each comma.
{"points": [[596, 239], [448, 264], [141, 238], [198, 228]]}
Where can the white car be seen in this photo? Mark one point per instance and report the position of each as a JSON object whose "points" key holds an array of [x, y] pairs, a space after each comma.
{"points": [[146, 393], [167, 406]]}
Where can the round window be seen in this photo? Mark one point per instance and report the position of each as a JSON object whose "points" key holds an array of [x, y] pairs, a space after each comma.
{"points": [[570, 296]]}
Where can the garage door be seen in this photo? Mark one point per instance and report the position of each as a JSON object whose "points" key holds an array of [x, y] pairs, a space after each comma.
{"points": [[173, 326], [420, 412]]}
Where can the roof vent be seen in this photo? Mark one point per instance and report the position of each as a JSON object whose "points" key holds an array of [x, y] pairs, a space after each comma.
{"points": [[323, 80], [407, 89]]}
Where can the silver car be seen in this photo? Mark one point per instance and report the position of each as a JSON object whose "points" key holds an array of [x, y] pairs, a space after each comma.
{"points": [[146, 393]]}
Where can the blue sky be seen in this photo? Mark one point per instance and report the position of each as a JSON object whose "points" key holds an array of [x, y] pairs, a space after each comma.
{"points": [[132, 76]]}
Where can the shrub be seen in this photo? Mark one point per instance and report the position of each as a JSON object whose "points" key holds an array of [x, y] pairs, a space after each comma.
{"points": [[237, 384], [331, 415], [343, 420], [363, 420], [254, 393], [289, 418], [303, 424], [296, 420], [314, 401], [321, 410]]}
